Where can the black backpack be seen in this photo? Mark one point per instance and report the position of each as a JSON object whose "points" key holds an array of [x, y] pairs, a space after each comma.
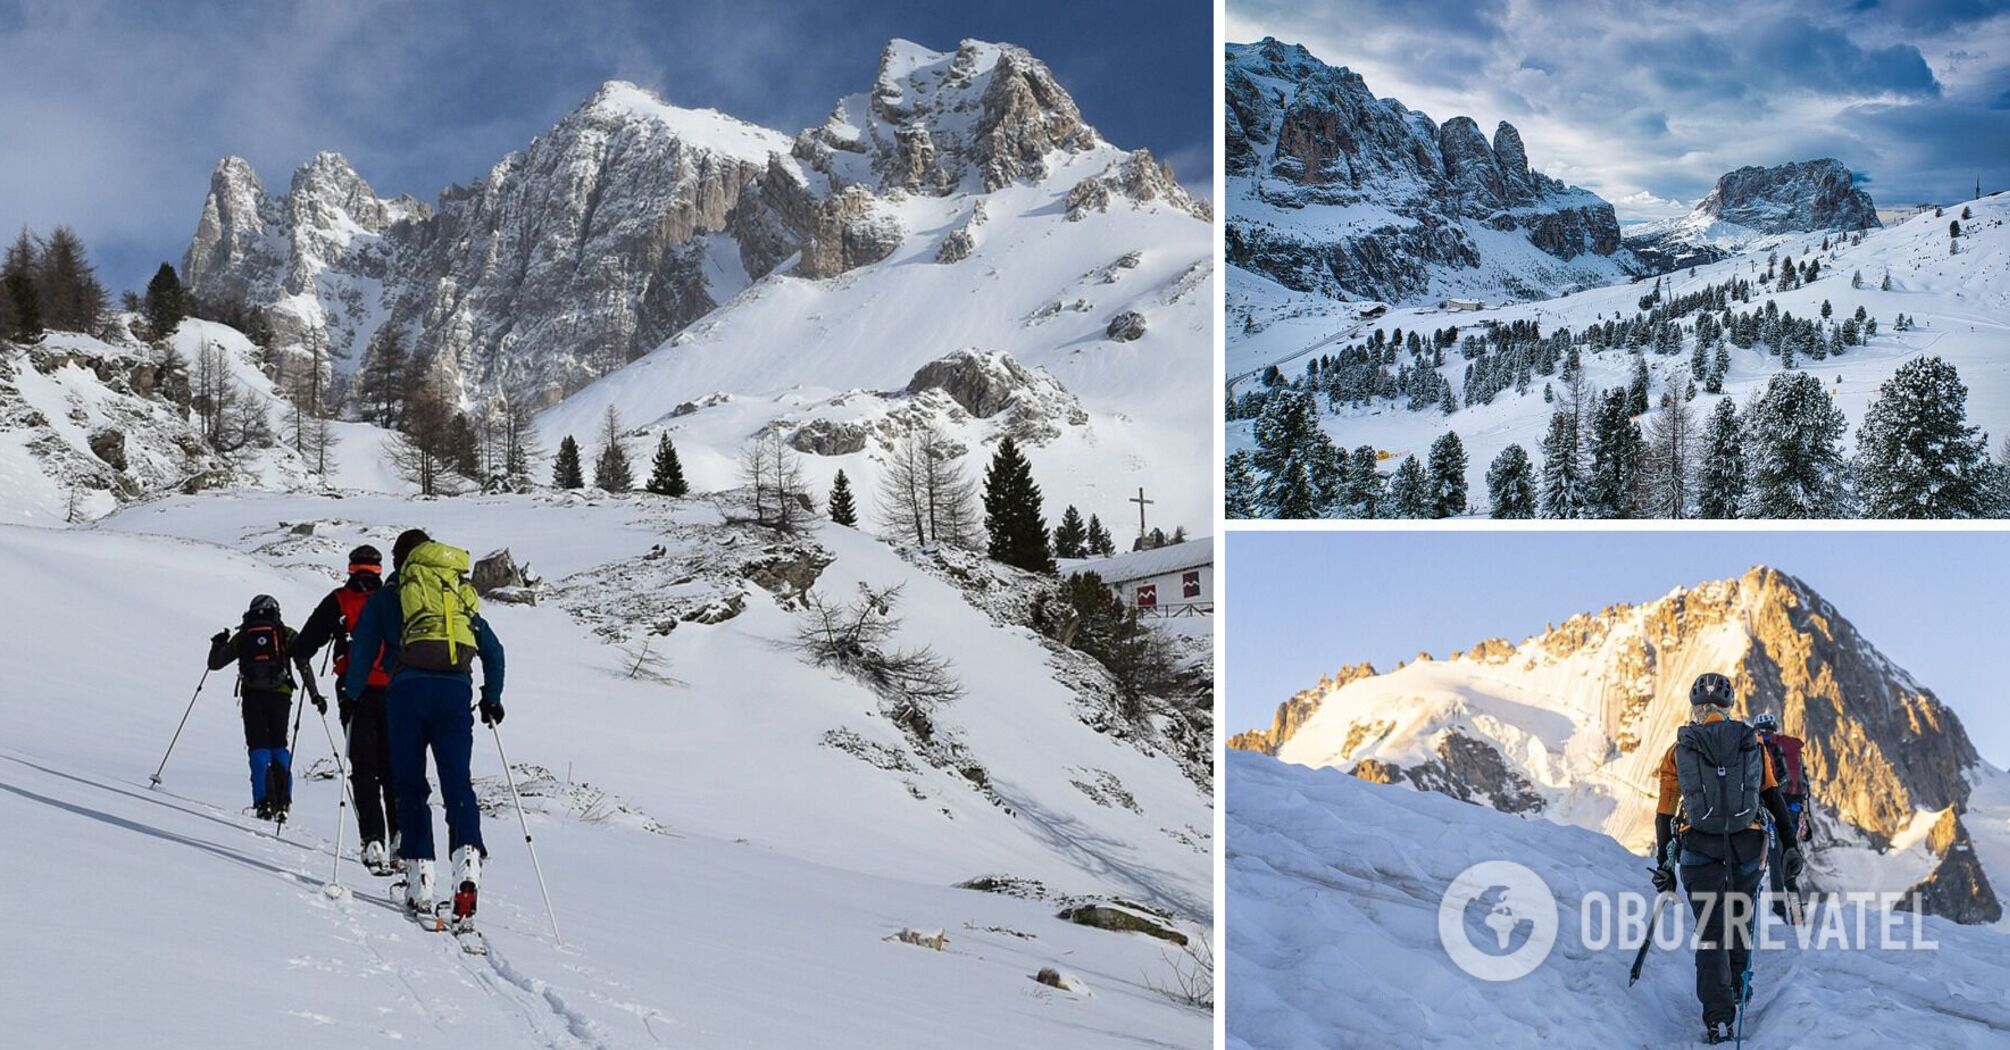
{"points": [[1721, 769], [261, 657]]}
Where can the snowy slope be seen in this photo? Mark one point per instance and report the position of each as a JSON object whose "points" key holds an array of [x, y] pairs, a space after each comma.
{"points": [[1036, 286], [1333, 889], [1961, 304], [733, 886]]}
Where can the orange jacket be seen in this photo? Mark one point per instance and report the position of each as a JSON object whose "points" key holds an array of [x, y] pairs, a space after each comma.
{"points": [[1671, 788]]}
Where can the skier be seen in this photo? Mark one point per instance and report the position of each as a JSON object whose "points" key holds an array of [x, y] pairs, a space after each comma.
{"points": [[1714, 780], [424, 624], [362, 714], [1785, 754], [265, 688]]}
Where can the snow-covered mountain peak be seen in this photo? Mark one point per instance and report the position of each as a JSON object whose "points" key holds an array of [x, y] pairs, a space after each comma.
{"points": [[1571, 723], [936, 122], [1755, 202], [619, 102]]}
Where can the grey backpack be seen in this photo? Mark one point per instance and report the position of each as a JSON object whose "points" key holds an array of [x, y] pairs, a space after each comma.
{"points": [[1720, 768]]}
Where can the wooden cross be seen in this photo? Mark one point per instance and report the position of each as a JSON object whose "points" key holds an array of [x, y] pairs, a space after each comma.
{"points": [[1142, 502]]}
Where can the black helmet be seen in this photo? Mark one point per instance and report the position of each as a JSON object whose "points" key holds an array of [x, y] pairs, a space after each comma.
{"points": [[264, 606], [1766, 722], [1712, 688], [366, 559]]}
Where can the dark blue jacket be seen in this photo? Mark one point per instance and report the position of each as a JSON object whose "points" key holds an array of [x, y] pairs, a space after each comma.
{"points": [[382, 625]]}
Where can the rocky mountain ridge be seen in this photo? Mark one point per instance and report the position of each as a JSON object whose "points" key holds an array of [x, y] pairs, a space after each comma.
{"points": [[632, 218], [1571, 724], [1752, 202], [1336, 191]]}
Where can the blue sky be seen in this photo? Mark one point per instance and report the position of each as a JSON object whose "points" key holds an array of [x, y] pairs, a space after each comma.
{"points": [[1647, 103], [114, 113], [1300, 605]]}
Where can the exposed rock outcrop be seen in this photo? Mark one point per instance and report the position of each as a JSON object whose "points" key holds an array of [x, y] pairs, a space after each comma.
{"points": [[1409, 195], [1802, 197], [1296, 711]]}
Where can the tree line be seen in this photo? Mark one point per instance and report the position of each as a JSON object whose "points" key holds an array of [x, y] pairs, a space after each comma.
{"points": [[1779, 455]]}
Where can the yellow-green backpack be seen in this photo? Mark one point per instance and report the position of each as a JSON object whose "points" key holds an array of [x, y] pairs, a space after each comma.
{"points": [[439, 607]]}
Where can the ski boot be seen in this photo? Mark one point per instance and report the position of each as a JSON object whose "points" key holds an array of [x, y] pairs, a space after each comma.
{"points": [[1718, 1032], [467, 885], [419, 894], [375, 859]]}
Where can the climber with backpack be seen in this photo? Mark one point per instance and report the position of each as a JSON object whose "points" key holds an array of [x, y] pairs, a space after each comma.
{"points": [[260, 647], [1785, 753], [1717, 784], [362, 714], [424, 625]]}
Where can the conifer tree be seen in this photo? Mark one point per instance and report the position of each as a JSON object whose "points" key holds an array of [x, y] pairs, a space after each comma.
{"points": [[1636, 391], [1511, 484], [1794, 440], [1100, 541], [565, 472], [666, 474], [1609, 490], [1012, 514], [17, 281], [165, 304], [611, 471], [842, 510], [1364, 492], [1917, 457], [1720, 484], [1071, 537], [1409, 490], [1562, 469], [1445, 479], [72, 300]]}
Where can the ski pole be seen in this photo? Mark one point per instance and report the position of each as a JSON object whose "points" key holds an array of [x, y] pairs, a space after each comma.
{"points": [[1653, 920], [334, 888], [525, 824], [156, 778]]}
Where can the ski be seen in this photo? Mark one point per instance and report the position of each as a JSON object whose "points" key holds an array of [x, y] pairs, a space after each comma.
{"points": [[469, 938]]}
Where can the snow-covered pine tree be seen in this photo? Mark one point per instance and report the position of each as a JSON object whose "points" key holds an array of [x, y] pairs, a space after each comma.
{"points": [[841, 508], [1289, 493], [1720, 485], [1794, 441], [1917, 457], [1445, 478], [666, 475], [1636, 391], [565, 472], [1012, 512], [1511, 484], [1610, 485], [1365, 494], [1240, 499], [1409, 491], [1562, 469]]}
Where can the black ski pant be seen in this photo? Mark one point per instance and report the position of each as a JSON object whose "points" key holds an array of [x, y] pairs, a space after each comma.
{"points": [[1724, 898], [370, 766]]}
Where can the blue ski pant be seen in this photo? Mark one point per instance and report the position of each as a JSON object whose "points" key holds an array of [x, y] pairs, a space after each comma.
{"points": [[265, 715], [430, 711]]}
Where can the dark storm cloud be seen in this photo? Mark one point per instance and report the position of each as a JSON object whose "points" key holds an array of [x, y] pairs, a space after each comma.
{"points": [[112, 114], [1648, 103]]}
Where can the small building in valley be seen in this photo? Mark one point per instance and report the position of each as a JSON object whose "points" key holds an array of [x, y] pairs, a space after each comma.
{"points": [[1175, 580], [1463, 304]]}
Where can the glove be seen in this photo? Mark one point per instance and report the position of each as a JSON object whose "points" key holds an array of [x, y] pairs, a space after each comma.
{"points": [[320, 703], [1664, 879], [220, 637], [492, 712], [1793, 865]]}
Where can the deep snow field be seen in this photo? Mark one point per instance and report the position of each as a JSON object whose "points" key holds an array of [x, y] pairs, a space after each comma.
{"points": [[1333, 888], [1960, 303], [721, 876]]}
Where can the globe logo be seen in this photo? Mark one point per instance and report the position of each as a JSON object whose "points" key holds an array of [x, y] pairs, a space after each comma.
{"points": [[1498, 920]]}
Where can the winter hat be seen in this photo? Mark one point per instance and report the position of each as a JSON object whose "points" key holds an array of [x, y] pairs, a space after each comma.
{"points": [[366, 559], [408, 541], [1713, 689]]}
